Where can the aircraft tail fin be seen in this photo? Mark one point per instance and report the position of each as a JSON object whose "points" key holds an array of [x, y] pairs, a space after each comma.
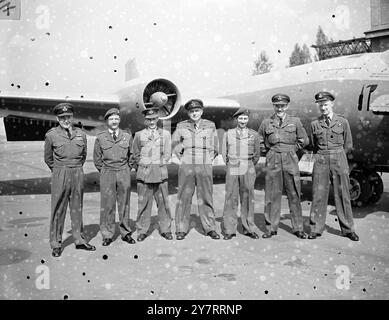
{"points": [[131, 70]]}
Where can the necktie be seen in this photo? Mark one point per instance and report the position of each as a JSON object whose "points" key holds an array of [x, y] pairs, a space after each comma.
{"points": [[280, 122], [68, 133], [195, 126], [114, 136], [328, 121]]}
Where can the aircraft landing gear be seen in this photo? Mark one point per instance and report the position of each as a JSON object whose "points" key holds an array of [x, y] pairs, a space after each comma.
{"points": [[377, 187], [366, 187]]}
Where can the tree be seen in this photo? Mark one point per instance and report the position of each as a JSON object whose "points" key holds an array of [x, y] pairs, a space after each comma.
{"points": [[262, 64], [321, 38], [299, 55]]}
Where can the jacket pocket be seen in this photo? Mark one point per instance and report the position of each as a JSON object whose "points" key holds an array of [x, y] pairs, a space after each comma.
{"points": [[337, 133], [290, 132], [59, 148]]}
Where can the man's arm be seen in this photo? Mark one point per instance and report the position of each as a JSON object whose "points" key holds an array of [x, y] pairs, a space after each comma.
{"points": [[48, 152], [225, 147], [312, 140], [215, 143], [135, 151], [348, 139], [257, 149], [84, 152], [130, 157], [302, 137], [167, 148], [261, 137], [97, 155]]}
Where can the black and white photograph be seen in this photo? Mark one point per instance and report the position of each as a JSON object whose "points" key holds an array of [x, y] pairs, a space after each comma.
{"points": [[215, 151]]}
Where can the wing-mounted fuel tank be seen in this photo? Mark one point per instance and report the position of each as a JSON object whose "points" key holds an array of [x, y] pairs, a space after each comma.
{"points": [[146, 92]]}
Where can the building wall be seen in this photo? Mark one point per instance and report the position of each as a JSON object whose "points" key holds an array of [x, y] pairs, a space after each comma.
{"points": [[379, 14], [379, 33]]}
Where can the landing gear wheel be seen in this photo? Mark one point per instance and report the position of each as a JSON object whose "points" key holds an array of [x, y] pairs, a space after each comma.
{"points": [[360, 189], [377, 187]]}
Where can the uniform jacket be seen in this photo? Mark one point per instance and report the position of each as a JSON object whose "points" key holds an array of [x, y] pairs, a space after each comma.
{"points": [[237, 147], [110, 154], [151, 155], [290, 136], [60, 151], [199, 146], [336, 136]]}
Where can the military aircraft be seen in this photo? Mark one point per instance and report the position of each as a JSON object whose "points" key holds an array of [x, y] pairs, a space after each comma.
{"points": [[359, 82]]}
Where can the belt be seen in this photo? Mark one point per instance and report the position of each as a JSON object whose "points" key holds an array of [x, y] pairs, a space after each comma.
{"points": [[241, 158], [68, 166], [115, 168], [328, 152], [283, 149]]}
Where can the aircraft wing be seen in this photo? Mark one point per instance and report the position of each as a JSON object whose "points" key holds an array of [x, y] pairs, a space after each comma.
{"points": [[88, 110], [28, 117]]}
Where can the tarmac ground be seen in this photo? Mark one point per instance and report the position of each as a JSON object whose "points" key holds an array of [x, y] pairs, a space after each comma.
{"points": [[282, 267]]}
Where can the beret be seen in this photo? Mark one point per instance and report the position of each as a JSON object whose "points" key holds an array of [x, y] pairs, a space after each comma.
{"points": [[63, 109], [111, 112], [193, 103], [324, 95], [280, 98], [241, 110], [151, 113]]}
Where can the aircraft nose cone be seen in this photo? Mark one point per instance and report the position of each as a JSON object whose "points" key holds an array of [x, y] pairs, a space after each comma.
{"points": [[158, 99]]}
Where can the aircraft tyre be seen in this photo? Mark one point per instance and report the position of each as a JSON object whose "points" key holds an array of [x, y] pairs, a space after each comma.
{"points": [[360, 188], [376, 185]]}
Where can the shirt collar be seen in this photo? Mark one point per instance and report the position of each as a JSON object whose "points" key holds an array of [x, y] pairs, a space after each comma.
{"points": [[241, 130], [330, 116], [198, 123], [111, 131]]}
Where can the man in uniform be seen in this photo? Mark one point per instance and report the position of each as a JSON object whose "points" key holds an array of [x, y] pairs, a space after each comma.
{"points": [[151, 151], [112, 159], [331, 140], [281, 136], [195, 144], [241, 152], [65, 154]]}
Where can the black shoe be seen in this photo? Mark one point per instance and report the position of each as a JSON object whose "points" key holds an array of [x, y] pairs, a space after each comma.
{"points": [[314, 235], [252, 235], [269, 234], [180, 235], [167, 235], [300, 234], [352, 236], [56, 252], [107, 242], [213, 234], [129, 239], [85, 246], [229, 236], [141, 237]]}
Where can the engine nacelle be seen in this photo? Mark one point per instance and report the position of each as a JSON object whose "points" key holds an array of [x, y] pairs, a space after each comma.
{"points": [[145, 92]]}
